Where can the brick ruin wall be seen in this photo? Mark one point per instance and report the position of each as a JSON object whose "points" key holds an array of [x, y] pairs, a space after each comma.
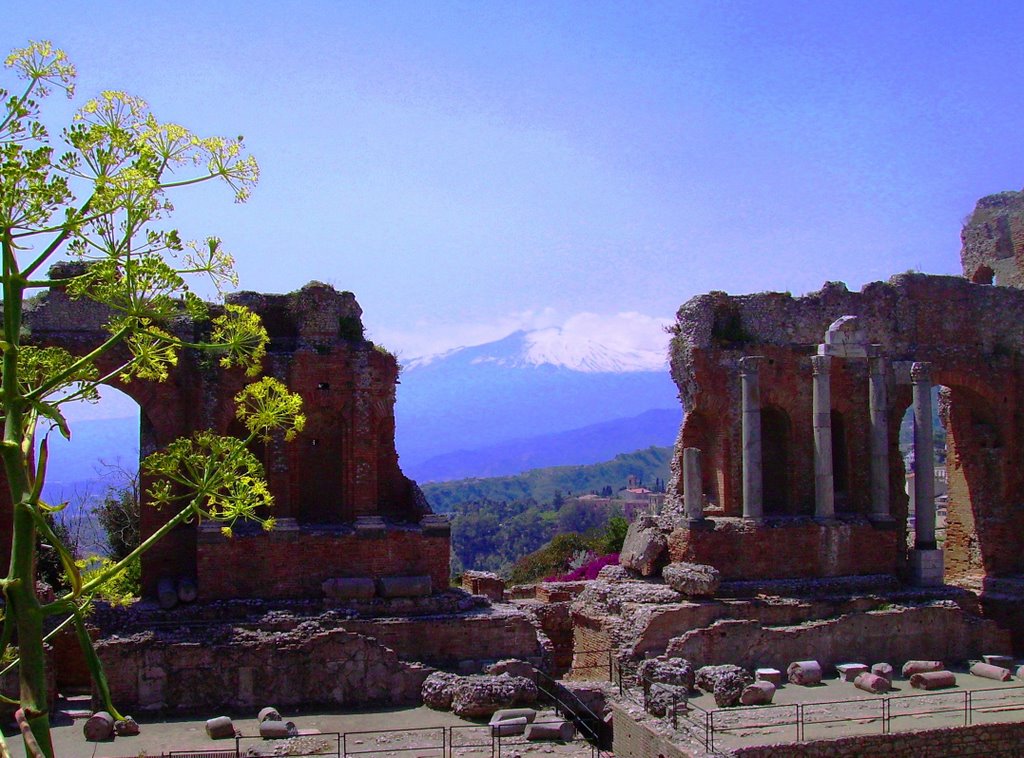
{"points": [[244, 670], [973, 336], [340, 471]]}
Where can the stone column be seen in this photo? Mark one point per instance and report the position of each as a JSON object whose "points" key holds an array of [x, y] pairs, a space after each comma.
{"points": [[750, 399], [924, 457], [879, 440], [824, 490], [693, 489]]}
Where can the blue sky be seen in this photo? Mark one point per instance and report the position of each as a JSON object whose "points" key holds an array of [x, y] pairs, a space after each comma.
{"points": [[471, 168]]}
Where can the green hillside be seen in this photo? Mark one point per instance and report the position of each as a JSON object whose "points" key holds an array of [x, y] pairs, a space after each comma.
{"points": [[541, 484]]}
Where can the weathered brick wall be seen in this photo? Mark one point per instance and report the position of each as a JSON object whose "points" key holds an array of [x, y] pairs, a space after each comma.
{"points": [[639, 735], [788, 549], [294, 563], [978, 739], [465, 642], [993, 241]]}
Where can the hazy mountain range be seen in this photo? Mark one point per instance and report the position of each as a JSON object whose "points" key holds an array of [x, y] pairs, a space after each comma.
{"points": [[531, 399]]}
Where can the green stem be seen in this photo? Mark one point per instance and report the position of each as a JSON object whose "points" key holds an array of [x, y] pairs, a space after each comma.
{"points": [[74, 368], [22, 603], [95, 665]]}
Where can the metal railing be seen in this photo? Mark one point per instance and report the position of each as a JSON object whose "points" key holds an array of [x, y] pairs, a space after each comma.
{"points": [[707, 724], [428, 742]]}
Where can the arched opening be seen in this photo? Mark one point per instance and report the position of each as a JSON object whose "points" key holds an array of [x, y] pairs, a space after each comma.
{"points": [[775, 441], [983, 275], [840, 462], [697, 432], [911, 468], [980, 517], [99, 465]]}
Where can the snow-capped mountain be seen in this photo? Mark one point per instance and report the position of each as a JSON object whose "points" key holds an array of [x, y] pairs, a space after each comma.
{"points": [[525, 385], [555, 346]]}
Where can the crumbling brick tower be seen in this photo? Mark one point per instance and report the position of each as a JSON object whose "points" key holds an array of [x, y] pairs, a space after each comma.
{"points": [[343, 507]]}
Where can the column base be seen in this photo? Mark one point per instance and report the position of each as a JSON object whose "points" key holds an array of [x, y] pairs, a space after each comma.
{"points": [[699, 524], [882, 521], [926, 567]]}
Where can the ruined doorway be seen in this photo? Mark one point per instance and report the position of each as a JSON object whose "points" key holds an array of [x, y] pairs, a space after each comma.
{"points": [[840, 462]]}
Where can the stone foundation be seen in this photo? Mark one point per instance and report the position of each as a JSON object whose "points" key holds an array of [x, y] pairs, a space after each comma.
{"points": [[939, 632], [787, 548], [244, 670]]}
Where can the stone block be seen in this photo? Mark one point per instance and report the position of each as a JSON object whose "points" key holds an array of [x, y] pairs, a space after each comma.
{"points": [[768, 675], [404, 586], [509, 727], [99, 727], [220, 728], [692, 579], [883, 670], [346, 588], [933, 680], [644, 548], [514, 713], [804, 673], [926, 567], [758, 693], [559, 730], [850, 671], [276, 730], [920, 667], [1005, 661], [988, 671], [872, 683]]}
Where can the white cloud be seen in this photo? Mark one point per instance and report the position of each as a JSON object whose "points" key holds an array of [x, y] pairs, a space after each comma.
{"points": [[627, 333]]}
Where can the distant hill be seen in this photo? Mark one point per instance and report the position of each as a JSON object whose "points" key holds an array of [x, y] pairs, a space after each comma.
{"points": [[590, 444], [541, 484]]}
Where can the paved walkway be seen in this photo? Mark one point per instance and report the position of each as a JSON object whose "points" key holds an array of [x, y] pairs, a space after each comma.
{"points": [[161, 736]]}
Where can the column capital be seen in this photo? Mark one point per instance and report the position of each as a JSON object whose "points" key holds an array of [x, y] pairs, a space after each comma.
{"points": [[821, 364], [749, 364], [921, 372]]}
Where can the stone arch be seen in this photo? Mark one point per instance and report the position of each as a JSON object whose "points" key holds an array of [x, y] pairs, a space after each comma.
{"points": [[776, 435], [699, 432], [980, 516]]}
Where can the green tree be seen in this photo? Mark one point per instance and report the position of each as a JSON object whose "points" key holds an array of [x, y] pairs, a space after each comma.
{"points": [[103, 201]]}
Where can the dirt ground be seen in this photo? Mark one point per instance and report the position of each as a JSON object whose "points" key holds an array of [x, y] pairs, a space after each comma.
{"points": [[363, 732]]}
